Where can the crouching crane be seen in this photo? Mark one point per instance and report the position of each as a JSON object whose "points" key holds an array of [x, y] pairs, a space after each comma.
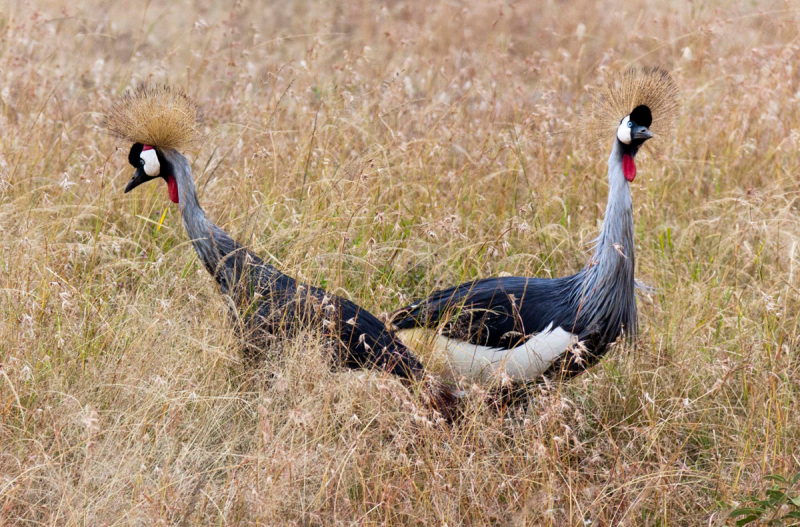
{"points": [[526, 327], [159, 121]]}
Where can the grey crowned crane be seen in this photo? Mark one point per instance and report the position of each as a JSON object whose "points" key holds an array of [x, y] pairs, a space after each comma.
{"points": [[159, 121], [526, 328]]}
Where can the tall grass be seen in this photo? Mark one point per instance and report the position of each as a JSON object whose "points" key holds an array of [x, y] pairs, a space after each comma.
{"points": [[383, 151]]}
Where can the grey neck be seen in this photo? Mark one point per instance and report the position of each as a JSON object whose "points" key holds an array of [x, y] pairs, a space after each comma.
{"points": [[210, 242], [608, 297], [615, 243]]}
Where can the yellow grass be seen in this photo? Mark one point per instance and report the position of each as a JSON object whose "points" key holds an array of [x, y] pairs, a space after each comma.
{"points": [[383, 151]]}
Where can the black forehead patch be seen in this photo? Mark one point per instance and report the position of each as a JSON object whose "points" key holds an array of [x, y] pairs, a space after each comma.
{"points": [[641, 115], [133, 155]]}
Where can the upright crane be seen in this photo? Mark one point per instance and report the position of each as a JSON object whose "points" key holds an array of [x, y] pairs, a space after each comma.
{"points": [[529, 327]]}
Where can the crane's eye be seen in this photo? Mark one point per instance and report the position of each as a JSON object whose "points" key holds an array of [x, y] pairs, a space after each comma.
{"points": [[630, 124], [141, 162]]}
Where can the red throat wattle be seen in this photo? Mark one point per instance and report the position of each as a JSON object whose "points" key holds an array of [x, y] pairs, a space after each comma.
{"points": [[628, 167], [172, 186]]}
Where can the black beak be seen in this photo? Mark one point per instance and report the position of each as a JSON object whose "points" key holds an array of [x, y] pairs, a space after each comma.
{"points": [[641, 133], [138, 178]]}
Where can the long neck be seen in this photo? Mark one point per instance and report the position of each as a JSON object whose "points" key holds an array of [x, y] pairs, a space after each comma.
{"points": [[607, 296], [615, 243], [212, 244]]}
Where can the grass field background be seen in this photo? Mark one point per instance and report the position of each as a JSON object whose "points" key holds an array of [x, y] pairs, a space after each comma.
{"points": [[382, 151]]}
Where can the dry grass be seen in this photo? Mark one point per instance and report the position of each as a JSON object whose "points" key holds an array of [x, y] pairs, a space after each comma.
{"points": [[384, 151]]}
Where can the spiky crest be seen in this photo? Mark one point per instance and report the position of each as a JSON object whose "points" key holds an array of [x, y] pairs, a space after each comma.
{"points": [[649, 86], [158, 116]]}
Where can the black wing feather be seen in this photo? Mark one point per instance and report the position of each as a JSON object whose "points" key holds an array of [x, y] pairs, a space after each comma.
{"points": [[495, 312], [272, 303]]}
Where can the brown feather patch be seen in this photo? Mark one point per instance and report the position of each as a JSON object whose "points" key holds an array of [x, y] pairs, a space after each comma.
{"points": [[158, 116], [649, 86]]}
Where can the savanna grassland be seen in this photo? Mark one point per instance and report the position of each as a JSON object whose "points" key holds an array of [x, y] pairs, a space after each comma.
{"points": [[383, 150]]}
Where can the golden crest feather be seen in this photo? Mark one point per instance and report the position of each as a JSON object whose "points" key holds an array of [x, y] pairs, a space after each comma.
{"points": [[649, 86], [158, 116]]}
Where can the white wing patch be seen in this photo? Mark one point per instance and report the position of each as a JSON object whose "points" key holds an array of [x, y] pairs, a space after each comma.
{"points": [[526, 362]]}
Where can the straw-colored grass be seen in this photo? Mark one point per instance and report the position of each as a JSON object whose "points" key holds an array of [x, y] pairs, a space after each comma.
{"points": [[382, 151]]}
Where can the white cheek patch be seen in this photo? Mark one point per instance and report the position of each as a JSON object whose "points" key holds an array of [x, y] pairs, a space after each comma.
{"points": [[151, 165], [623, 132]]}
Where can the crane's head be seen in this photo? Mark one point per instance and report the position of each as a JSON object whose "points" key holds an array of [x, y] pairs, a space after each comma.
{"points": [[632, 132], [653, 97], [150, 164], [634, 129], [158, 121]]}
